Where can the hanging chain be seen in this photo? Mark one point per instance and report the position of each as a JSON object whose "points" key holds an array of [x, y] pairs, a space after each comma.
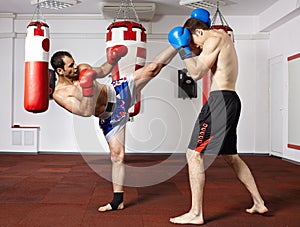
{"points": [[218, 13], [37, 12], [126, 6]]}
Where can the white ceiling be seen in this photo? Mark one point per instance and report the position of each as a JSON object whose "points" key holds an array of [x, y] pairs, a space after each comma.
{"points": [[163, 7]]}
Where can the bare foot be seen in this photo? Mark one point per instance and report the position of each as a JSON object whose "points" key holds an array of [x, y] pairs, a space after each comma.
{"points": [[259, 209], [108, 207], [188, 218]]}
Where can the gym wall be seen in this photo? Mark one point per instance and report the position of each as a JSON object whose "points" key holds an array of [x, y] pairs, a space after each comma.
{"points": [[165, 122]]}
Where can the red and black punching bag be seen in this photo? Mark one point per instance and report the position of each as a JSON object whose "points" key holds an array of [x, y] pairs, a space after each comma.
{"points": [[36, 84]]}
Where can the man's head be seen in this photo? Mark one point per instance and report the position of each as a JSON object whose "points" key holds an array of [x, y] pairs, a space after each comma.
{"points": [[199, 20], [196, 28], [192, 24], [63, 64]]}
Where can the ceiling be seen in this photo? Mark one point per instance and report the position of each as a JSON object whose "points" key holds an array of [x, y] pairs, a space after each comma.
{"points": [[163, 7]]}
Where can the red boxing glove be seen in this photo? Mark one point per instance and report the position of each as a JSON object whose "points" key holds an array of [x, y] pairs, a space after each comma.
{"points": [[86, 78], [115, 53]]}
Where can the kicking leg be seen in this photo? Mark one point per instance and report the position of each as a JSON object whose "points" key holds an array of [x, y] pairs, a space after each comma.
{"points": [[245, 176], [197, 179], [143, 75]]}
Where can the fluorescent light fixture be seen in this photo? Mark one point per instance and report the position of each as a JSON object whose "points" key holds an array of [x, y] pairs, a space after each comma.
{"points": [[201, 3], [54, 4]]}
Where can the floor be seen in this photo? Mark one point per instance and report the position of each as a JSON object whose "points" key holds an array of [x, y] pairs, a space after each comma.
{"points": [[66, 190]]}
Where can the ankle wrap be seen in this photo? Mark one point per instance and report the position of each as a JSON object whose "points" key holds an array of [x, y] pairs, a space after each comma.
{"points": [[117, 200]]}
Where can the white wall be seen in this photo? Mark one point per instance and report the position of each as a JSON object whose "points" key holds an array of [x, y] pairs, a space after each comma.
{"points": [[6, 91], [165, 122], [284, 41]]}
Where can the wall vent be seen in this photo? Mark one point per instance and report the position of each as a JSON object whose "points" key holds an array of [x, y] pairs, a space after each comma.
{"points": [[145, 11]]}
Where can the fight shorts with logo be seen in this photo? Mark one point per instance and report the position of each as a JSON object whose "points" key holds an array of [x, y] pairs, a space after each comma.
{"points": [[121, 96], [215, 128]]}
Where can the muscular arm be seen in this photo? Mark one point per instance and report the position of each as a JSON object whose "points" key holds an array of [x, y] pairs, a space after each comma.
{"points": [[71, 99], [103, 70], [208, 57]]}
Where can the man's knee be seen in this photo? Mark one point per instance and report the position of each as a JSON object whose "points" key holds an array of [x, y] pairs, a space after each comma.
{"points": [[193, 156], [117, 155], [232, 160]]}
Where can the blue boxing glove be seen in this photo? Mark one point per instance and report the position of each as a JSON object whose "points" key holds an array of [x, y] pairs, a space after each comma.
{"points": [[180, 38], [201, 14]]}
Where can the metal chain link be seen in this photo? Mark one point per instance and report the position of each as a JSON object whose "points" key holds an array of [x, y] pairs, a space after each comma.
{"points": [[125, 7]]}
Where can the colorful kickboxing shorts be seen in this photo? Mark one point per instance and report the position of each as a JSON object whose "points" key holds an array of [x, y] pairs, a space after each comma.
{"points": [[125, 98]]}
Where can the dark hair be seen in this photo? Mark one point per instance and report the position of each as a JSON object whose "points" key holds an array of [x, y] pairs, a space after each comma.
{"points": [[192, 24], [57, 59]]}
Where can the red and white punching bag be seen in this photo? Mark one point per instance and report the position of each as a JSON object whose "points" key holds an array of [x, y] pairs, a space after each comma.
{"points": [[223, 23], [133, 36], [36, 87]]}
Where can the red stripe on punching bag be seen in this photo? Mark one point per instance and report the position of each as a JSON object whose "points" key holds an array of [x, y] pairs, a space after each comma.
{"points": [[141, 52], [137, 105], [205, 87], [36, 86], [109, 35], [129, 34], [38, 31], [143, 36]]}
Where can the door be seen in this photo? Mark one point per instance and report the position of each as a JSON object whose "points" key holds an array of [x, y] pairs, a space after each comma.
{"points": [[276, 105]]}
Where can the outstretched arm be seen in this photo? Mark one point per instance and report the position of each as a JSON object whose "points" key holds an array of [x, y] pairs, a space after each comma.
{"points": [[103, 70]]}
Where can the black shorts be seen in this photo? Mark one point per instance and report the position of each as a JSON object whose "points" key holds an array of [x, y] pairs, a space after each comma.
{"points": [[215, 128]]}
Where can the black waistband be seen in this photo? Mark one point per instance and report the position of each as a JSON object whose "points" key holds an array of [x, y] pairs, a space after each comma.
{"points": [[223, 92], [110, 107]]}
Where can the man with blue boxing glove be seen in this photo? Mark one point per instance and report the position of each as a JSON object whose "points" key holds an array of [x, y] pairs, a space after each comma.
{"points": [[215, 128], [180, 39]]}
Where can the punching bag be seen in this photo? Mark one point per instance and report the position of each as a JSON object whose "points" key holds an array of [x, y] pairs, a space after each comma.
{"points": [[226, 28], [133, 36], [222, 24], [36, 87]]}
